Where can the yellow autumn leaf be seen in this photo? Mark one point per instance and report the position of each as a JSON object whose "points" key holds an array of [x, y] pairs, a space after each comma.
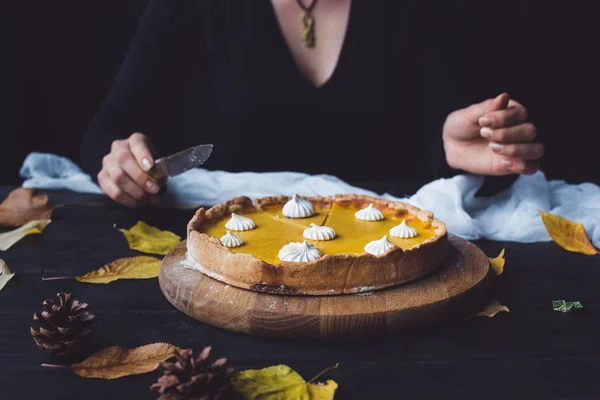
{"points": [[567, 234], [497, 263], [5, 274], [491, 310], [148, 239], [280, 382], [8, 239], [140, 267], [116, 362]]}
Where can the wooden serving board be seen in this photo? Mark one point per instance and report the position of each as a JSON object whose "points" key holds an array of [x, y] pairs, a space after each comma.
{"points": [[459, 288]]}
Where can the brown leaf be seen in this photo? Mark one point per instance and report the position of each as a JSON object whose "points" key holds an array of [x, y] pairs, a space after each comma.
{"points": [[567, 234], [116, 362], [491, 310], [23, 205], [497, 263], [140, 267]]}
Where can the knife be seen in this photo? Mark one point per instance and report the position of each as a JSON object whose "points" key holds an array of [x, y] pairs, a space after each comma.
{"points": [[180, 162]]}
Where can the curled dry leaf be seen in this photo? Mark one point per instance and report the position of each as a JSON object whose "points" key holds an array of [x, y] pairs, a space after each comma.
{"points": [[5, 274], [22, 206], [567, 234], [148, 239], [8, 239], [116, 362], [280, 382], [140, 267], [491, 310], [497, 263]]}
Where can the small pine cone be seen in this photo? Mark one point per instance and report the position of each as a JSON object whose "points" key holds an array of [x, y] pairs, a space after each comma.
{"points": [[188, 378], [65, 326]]}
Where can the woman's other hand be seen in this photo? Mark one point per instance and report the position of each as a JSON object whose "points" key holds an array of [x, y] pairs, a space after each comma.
{"points": [[492, 138], [124, 175]]}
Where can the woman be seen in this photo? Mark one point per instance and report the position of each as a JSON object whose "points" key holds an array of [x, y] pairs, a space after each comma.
{"points": [[362, 90]]}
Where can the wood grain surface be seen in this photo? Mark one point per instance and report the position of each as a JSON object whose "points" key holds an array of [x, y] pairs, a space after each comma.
{"points": [[457, 289]]}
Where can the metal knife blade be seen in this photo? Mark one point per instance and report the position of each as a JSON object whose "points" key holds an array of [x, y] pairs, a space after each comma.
{"points": [[182, 161]]}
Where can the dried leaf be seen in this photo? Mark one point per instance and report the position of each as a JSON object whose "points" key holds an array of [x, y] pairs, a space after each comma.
{"points": [[280, 382], [116, 362], [563, 306], [148, 239], [9, 238], [491, 310], [567, 234], [5, 274], [140, 267], [24, 205], [497, 263]]}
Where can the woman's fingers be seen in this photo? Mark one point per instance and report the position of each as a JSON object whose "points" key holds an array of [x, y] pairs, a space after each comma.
{"points": [[513, 115], [521, 133], [122, 180], [114, 192], [518, 166], [525, 151], [129, 164], [140, 148], [124, 176], [511, 137]]}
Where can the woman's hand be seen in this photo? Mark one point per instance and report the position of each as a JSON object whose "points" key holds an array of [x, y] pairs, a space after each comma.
{"points": [[492, 138], [124, 175]]}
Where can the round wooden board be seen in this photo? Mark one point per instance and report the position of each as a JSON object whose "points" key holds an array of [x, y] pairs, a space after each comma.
{"points": [[459, 288]]}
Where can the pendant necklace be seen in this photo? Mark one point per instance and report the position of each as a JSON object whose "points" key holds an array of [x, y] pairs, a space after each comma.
{"points": [[308, 33]]}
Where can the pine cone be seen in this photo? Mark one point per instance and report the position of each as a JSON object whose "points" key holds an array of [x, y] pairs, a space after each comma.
{"points": [[65, 327], [189, 378]]}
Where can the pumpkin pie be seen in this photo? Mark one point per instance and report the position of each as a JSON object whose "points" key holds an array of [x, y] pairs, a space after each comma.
{"points": [[315, 246]]}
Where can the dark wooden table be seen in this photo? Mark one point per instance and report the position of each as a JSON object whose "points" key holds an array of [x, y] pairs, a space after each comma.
{"points": [[533, 352]]}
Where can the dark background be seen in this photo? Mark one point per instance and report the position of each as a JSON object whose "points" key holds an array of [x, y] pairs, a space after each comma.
{"points": [[59, 57]]}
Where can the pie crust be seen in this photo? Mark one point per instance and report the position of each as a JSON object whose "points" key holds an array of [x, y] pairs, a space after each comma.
{"points": [[333, 273]]}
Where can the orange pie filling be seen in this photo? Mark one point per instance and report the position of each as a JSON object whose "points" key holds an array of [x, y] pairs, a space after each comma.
{"points": [[274, 230]]}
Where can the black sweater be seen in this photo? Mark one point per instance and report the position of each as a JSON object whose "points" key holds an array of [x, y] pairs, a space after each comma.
{"points": [[220, 72]]}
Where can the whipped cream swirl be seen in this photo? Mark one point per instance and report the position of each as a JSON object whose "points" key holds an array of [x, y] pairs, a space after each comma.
{"points": [[379, 247], [240, 223], [403, 231], [299, 252], [369, 213], [230, 240], [316, 232], [297, 207]]}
